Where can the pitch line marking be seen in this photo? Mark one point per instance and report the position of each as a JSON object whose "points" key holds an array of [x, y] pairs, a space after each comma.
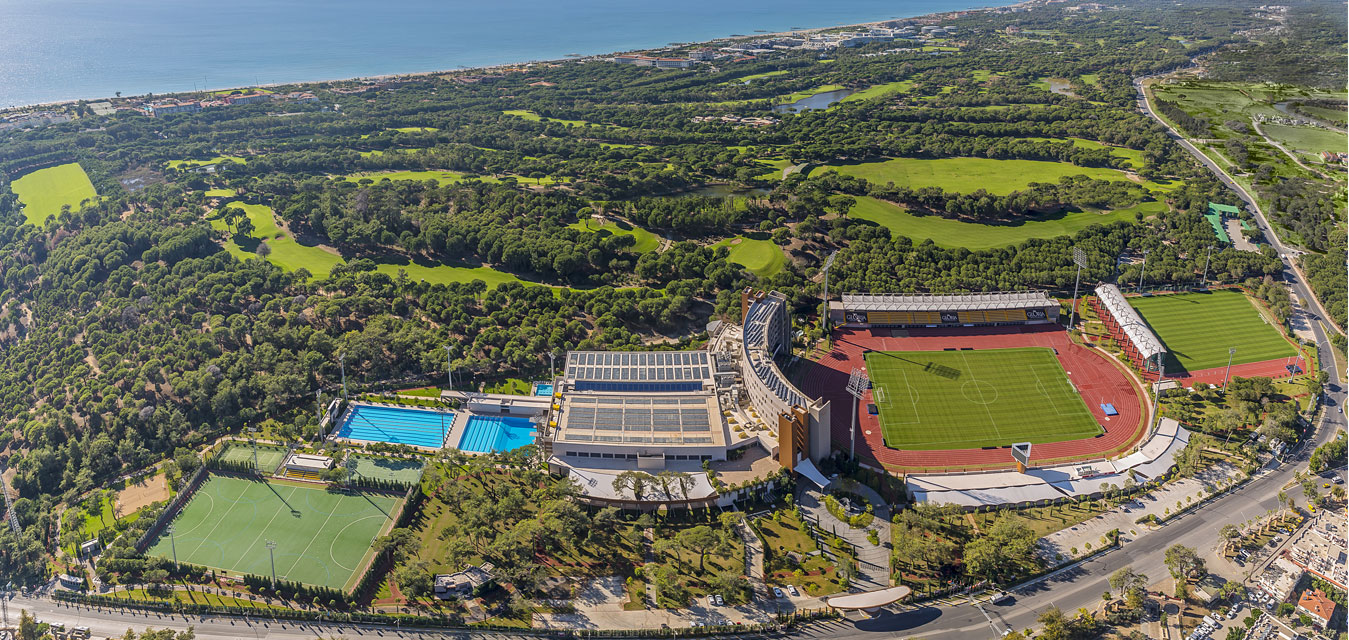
{"points": [[991, 421], [284, 501], [311, 540], [222, 518]]}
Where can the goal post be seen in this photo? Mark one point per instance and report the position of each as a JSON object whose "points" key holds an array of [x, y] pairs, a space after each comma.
{"points": [[1021, 454]]}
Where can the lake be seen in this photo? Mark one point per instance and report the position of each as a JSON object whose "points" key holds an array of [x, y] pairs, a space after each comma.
{"points": [[817, 101], [69, 49]]}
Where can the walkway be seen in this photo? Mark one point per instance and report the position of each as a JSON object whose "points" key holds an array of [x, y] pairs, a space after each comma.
{"points": [[754, 556], [873, 561]]}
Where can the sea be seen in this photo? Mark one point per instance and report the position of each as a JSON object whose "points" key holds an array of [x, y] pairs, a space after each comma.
{"points": [[54, 50]]}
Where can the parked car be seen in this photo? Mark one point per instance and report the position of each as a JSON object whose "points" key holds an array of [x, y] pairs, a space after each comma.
{"points": [[720, 601], [792, 590], [777, 593]]}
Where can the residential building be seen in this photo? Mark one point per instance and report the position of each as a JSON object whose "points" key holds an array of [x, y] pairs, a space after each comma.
{"points": [[1317, 606], [159, 109], [248, 98]]}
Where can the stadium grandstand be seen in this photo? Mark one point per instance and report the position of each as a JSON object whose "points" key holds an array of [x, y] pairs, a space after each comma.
{"points": [[802, 423], [930, 310], [1138, 342]]}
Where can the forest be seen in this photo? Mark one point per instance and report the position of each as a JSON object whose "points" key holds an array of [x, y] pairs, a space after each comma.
{"points": [[158, 316]]}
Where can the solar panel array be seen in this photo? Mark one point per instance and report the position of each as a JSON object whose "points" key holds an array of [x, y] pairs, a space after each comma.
{"points": [[639, 366], [618, 419]]}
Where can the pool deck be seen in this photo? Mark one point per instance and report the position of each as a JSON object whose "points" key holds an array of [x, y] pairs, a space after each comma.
{"points": [[457, 430]]}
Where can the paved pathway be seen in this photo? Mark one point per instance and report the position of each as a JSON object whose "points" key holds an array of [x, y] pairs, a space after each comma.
{"points": [[754, 556], [873, 561]]}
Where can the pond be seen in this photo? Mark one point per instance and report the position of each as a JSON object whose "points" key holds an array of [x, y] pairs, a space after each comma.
{"points": [[1061, 86], [817, 101]]}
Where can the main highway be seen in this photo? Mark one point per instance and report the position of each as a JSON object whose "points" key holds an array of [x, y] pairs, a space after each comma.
{"points": [[1078, 586]]}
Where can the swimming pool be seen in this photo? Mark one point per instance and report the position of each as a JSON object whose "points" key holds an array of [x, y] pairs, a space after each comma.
{"points": [[398, 425], [496, 433], [543, 389]]}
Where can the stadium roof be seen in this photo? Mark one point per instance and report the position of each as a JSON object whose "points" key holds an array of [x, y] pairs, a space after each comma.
{"points": [[600, 485], [640, 366], [1130, 322], [944, 302], [755, 350], [662, 419]]}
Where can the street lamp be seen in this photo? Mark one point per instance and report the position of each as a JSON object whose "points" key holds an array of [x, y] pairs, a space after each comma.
{"points": [[1204, 281], [1231, 351]]}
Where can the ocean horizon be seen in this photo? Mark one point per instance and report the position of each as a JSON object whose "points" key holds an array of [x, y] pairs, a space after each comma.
{"points": [[60, 50]]}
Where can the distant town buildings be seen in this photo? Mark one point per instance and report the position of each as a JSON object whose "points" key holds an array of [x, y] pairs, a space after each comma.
{"points": [[738, 120], [160, 109], [32, 119]]}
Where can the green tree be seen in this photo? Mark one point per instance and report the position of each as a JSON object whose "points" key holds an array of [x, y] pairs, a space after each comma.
{"points": [[1183, 562]]}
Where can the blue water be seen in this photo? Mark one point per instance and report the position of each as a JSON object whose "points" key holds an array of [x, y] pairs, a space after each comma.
{"points": [[397, 425], [69, 49], [496, 433], [542, 389]]}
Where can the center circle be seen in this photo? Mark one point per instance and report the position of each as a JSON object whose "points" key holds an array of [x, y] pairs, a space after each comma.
{"points": [[979, 392]]}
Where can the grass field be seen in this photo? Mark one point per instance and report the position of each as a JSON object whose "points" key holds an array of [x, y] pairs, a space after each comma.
{"points": [[446, 274], [1338, 116], [286, 252], [320, 537], [756, 76], [1198, 328], [1307, 139], [394, 469], [965, 175], [441, 177], [45, 191], [972, 235], [645, 240], [880, 90], [220, 193], [269, 458], [1134, 156], [175, 164], [762, 257], [534, 117], [970, 399]]}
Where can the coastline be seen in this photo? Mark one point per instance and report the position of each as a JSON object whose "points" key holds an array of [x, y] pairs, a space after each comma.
{"points": [[301, 84]]}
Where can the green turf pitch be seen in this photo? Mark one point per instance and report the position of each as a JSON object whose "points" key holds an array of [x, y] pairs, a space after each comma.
{"points": [[1198, 328], [392, 469], [971, 399], [269, 458], [321, 537]]}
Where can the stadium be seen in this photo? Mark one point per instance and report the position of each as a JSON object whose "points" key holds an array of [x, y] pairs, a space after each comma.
{"points": [[955, 380]]}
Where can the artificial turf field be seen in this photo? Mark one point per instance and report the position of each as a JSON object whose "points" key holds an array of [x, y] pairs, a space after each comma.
{"points": [[1198, 328], [269, 458], [978, 398], [321, 537]]}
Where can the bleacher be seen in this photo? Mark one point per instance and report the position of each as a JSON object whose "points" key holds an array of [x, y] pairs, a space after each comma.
{"points": [[303, 475], [925, 310]]}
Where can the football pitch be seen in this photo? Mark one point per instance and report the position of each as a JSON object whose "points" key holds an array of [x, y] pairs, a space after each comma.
{"points": [[1198, 328], [971, 399], [321, 537]]}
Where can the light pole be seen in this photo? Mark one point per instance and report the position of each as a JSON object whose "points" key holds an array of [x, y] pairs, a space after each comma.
{"points": [[252, 440], [1142, 271], [174, 546], [552, 365], [1231, 351], [828, 263], [271, 553], [318, 403], [449, 367], [857, 384], [342, 362], [1080, 258], [1204, 281]]}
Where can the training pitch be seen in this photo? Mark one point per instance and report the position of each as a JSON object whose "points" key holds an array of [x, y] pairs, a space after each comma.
{"points": [[1198, 328], [972, 399], [321, 537]]}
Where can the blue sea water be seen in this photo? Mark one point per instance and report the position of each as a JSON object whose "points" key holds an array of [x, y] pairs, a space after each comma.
{"points": [[69, 49]]}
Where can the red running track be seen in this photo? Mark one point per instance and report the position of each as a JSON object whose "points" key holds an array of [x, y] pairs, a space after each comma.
{"points": [[1096, 377]]}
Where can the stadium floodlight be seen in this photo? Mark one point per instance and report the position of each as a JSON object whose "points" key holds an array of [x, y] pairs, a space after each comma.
{"points": [[1021, 454], [828, 264], [271, 553], [449, 367], [1231, 351], [552, 365], [1143, 270], [1203, 281], [1079, 258], [858, 383], [342, 362]]}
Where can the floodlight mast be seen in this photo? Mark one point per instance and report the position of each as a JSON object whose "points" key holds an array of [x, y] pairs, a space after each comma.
{"points": [[828, 263], [1080, 258], [858, 382], [1204, 280], [1231, 351], [449, 367], [13, 517], [342, 362], [1143, 270], [271, 553]]}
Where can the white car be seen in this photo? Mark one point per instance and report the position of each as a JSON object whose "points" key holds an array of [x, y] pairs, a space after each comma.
{"points": [[792, 590], [718, 599]]}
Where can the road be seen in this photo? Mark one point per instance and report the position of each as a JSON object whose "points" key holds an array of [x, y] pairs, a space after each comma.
{"points": [[1288, 255]]}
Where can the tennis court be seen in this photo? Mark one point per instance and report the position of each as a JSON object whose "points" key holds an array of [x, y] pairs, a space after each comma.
{"points": [[321, 537], [397, 425], [975, 398], [269, 457], [1198, 328]]}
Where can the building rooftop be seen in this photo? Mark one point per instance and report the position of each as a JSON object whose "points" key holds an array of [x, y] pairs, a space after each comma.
{"points": [[627, 367], [664, 420], [1315, 602], [944, 302], [1143, 339]]}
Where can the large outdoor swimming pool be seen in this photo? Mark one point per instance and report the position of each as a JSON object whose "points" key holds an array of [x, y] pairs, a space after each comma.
{"points": [[398, 425], [496, 433]]}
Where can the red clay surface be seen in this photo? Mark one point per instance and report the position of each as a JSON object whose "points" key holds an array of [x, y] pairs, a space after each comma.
{"points": [[1096, 378]]}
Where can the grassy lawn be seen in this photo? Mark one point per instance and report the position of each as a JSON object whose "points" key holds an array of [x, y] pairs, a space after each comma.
{"points": [[1339, 116], [757, 76], [188, 164], [1044, 520], [377, 152], [441, 177], [1198, 328], [534, 117], [286, 252], [972, 235], [45, 191], [801, 95], [762, 257], [1306, 139], [446, 274], [645, 240], [220, 193], [509, 386], [968, 399], [193, 597], [880, 90], [966, 175], [1089, 78], [786, 534], [1134, 156], [415, 129]]}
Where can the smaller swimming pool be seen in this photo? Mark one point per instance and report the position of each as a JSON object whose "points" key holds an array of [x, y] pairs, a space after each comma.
{"points": [[496, 433], [543, 388]]}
